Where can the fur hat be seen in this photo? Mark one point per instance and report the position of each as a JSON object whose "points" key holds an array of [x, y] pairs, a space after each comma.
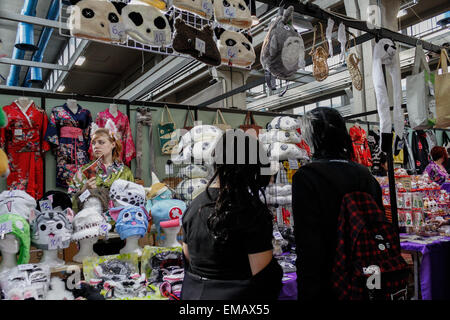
{"points": [[233, 12], [185, 40], [58, 199], [127, 193], [235, 48], [18, 202], [89, 223], [21, 230], [102, 194], [130, 221]]}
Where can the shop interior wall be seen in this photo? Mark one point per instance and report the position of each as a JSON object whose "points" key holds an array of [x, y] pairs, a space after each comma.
{"points": [[206, 117]]}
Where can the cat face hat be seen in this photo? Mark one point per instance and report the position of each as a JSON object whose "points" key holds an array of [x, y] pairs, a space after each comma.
{"points": [[17, 202], [130, 221]]}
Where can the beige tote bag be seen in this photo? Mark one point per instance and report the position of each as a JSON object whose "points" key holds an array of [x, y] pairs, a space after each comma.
{"points": [[442, 91]]}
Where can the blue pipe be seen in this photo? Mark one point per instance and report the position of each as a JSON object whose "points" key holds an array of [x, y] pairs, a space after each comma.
{"points": [[34, 74], [26, 30], [14, 70]]}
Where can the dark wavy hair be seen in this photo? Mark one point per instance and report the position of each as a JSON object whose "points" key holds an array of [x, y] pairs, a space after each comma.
{"points": [[242, 180], [324, 129]]}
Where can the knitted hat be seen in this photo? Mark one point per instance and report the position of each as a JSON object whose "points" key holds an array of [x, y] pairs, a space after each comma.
{"points": [[130, 221], [157, 187], [20, 229], [89, 223], [18, 202], [58, 199], [102, 194], [127, 193], [52, 229]]}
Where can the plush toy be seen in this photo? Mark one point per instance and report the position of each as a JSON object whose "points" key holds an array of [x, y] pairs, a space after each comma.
{"points": [[385, 52], [203, 8], [283, 50], [199, 44], [233, 12], [235, 48], [4, 167]]}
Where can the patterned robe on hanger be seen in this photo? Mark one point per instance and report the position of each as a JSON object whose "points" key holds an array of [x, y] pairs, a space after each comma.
{"points": [[22, 140], [69, 133], [124, 131], [360, 146]]}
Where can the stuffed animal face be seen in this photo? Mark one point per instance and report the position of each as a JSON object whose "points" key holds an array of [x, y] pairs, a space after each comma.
{"points": [[235, 48], [92, 19], [52, 229], [233, 12], [385, 50], [146, 24]]}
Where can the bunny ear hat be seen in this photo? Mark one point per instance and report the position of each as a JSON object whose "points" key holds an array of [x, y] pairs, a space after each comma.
{"points": [[110, 126]]}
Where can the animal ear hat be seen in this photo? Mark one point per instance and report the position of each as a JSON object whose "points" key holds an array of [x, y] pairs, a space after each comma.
{"points": [[18, 202], [130, 221], [21, 230], [157, 187], [57, 198]]}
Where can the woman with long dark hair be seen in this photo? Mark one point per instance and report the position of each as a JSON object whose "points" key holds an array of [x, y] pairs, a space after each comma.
{"points": [[317, 192], [228, 228]]}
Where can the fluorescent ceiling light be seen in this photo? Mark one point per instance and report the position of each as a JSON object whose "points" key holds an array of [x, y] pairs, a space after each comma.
{"points": [[61, 88], [402, 13], [80, 61]]}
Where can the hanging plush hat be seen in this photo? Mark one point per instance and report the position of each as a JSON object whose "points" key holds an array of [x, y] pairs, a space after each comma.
{"points": [[18, 202], [52, 230], [101, 194], [145, 23], [283, 50], [235, 48], [127, 193], [58, 200], [233, 12], [94, 19], [21, 230], [130, 221], [197, 43], [203, 8]]}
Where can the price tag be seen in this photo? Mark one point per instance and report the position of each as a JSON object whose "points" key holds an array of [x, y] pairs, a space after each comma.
{"points": [[84, 196], [46, 205], [159, 37], [25, 267], [55, 243], [293, 164], [18, 132], [5, 228], [117, 31], [230, 12], [207, 7], [277, 235], [232, 52], [105, 227], [200, 45]]}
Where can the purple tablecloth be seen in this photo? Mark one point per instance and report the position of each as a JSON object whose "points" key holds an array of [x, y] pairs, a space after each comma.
{"points": [[289, 289], [434, 268]]}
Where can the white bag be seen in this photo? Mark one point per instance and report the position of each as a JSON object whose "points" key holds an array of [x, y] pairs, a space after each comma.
{"points": [[421, 102], [193, 171], [205, 133]]}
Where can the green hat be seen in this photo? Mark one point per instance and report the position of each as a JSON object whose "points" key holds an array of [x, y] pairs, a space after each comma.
{"points": [[21, 229]]}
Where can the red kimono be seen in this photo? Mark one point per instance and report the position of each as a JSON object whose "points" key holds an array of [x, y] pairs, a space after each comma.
{"points": [[360, 146], [22, 140]]}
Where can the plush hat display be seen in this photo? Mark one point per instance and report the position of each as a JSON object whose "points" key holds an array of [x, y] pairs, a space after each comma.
{"points": [[93, 19], [235, 48], [203, 8], [54, 225], [127, 193], [283, 50], [18, 202], [89, 223], [157, 187], [233, 12], [145, 23], [187, 38], [21, 230], [283, 123], [58, 199], [102, 194], [130, 221]]}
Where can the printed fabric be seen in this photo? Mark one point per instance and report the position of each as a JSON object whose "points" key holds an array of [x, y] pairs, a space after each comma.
{"points": [[436, 173], [69, 134], [124, 132], [360, 146], [22, 140], [420, 150]]}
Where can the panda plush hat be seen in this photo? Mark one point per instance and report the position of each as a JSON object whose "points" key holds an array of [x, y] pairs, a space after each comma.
{"points": [[145, 23], [235, 48], [203, 8], [233, 12], [92, 19], [283, 50]]}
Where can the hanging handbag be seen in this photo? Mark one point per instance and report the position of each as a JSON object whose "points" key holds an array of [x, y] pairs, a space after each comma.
{"points": [[420, 98], [165, 131], [250, 125], [185, 126], [353, 69], [442, 91], [319, 57], [224, 126]]}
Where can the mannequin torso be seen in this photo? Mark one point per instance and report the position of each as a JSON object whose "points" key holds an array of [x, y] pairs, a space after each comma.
{"points": [[113, 110], [72, 105], [24, 103]]}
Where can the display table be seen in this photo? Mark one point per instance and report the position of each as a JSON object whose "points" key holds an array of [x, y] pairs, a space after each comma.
{"points": [[432, 267], [289, 289]]}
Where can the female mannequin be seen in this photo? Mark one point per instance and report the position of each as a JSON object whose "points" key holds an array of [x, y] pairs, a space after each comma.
{"points": [[171, 229], [132, 245], [9, 247], [50, 258], [72, 104], [24, 103], [86, 249], [113, 109]]}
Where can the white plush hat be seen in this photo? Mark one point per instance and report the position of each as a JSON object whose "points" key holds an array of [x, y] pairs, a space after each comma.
{"points": [[18, 202], [89, 223], [127, 193]]}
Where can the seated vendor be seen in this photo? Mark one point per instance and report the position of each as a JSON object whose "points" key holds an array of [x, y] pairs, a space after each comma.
{"points": [[435, 169]]}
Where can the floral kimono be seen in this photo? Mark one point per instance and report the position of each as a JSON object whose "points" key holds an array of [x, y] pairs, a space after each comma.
{"points": [[360, 146], [22, 140], [69, 133]]}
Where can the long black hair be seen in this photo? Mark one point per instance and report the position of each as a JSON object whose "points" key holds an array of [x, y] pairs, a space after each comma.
{"points": [[324, 129], [240, 164]]}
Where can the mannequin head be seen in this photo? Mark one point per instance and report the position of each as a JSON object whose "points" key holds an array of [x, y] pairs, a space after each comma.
{"points": [[9, 244]]}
